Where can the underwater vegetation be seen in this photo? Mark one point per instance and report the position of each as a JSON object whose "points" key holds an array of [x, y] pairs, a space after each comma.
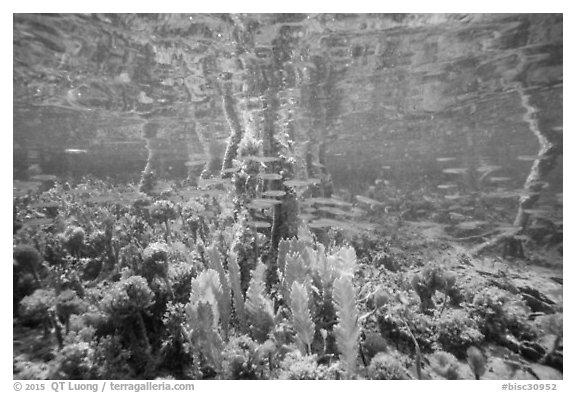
{"points": [[154, 286]]}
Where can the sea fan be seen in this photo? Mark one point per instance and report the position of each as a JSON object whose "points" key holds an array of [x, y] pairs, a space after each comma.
{"points": [[215, 262], [238, 298], [258, 307], [347, 330], [303, 324]]}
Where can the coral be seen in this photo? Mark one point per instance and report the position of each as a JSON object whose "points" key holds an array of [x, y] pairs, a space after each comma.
{"points": [[75, 361], [28, 259], [499, 312], [445, 365], [295, 366], [476, 361], [67, 304], [73, 239], [241, 359], [385, 366], [457, 331], [155, 261]]}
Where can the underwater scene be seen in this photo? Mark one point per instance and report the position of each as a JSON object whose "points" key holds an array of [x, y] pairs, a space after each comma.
{"points": [[287, 196]]}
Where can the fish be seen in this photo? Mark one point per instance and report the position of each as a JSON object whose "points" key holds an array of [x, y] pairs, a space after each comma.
{"points": [[270, 176], [259, 224], [368, 201], [445, 159], [324, 223], [274, 193], [233, 169], [538, 212], [261, 203], [530, 158], [500, 179], [296, 183], [37, 222], [44, 177], [210, 182], [455, 171], [327, 201], [262, 160], [307, 217], [194, 163], [470, 225], [42, 205], [446, 186], [75, 151], [488, 168]]}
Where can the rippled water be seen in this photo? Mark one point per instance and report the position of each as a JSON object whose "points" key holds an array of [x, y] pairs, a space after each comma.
{"points": [[379, 96]]}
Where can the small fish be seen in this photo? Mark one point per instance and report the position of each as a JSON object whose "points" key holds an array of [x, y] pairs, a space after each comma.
{"points": [[453, 196], [470, 225], [234, 169], [455, 171], [44, 177], [446, 186], [307, 217], [323, 223], [262, 160], [499, 179], [195, 163], [38, 222], [537, 212], [274, 193], [296, 183], [209, 182], [42, 205], [270, 176], [367, 201], [445, 159], [530, 158], [488, 168], [75, 151], [259, 224]]}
